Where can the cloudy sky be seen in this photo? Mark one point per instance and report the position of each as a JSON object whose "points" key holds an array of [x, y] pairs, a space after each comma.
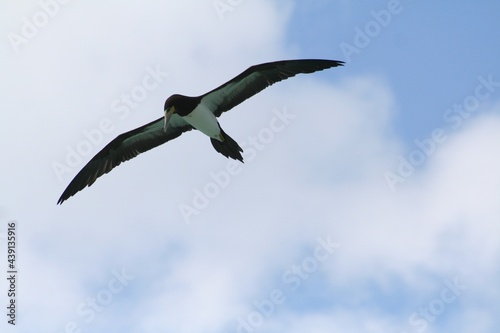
{"points": [[373, 206]]}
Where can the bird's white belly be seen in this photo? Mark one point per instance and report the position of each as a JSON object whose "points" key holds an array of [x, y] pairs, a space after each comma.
{"points": [[204, 121]]}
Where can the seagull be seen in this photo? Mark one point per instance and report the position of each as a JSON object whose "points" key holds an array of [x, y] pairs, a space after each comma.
{"points": [[184, 113]]}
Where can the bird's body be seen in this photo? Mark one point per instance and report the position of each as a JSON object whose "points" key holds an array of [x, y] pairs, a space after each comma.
{"points": [[203, 119], [183, 113]]}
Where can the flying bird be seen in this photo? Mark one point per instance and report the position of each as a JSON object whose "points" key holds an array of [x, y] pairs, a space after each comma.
{"points": [[184, 113]]}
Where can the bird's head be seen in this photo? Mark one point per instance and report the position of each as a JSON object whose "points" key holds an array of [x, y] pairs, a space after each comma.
{"points": [[169, 109]]}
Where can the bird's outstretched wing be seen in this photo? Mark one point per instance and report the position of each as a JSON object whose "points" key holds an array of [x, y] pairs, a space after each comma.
{"points": [[123, 148], [257, 78]]}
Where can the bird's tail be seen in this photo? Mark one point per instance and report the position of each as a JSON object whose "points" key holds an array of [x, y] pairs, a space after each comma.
{"points": [[228, 147]]}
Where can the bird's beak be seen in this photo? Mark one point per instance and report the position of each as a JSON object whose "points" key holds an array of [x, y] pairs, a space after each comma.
{"points": [[168, 114]]}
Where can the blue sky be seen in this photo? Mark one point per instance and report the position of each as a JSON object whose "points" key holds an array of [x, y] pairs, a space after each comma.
{"points": [[430, 53], [374, 208]]}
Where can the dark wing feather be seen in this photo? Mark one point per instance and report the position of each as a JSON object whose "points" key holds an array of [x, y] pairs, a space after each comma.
{"points": [[123, 148], [257, 78]]}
